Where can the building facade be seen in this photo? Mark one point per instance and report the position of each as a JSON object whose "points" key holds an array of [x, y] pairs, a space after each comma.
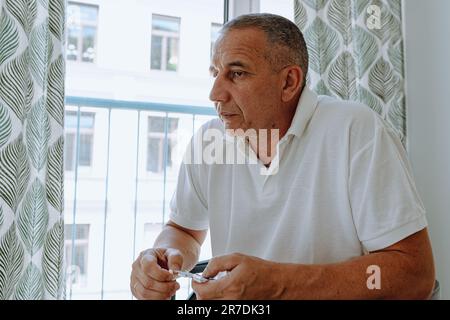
{"points": [[137, 86]]}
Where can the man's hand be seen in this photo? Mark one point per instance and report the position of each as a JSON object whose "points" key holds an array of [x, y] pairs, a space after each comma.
{"points": [[407, 273], [248, 278], [150, 277]]}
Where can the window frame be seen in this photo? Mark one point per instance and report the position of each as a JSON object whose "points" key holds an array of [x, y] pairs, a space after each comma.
{"points": [[73, 131], [235, 8], [212, 25], [165, 35], [80, 37], [171, 138], [70, 245]]}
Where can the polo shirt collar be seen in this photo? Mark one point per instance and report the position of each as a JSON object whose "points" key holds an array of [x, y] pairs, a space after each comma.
{"points": [[304, 112]]}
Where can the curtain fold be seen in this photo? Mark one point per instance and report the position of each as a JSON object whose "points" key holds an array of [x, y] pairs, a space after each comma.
{"points": [[31, 149], [356, 53]]}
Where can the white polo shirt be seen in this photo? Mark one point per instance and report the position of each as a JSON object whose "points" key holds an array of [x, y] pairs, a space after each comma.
{"points": [[343, 186]]}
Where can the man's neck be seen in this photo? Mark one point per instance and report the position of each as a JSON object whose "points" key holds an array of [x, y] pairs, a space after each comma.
{"points": [[265, 145]]}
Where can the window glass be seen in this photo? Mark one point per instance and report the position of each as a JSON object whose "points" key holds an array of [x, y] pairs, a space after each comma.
{"points": [[215, 28], [87, 120], [164, 47], [81, 32], [76, 251]]}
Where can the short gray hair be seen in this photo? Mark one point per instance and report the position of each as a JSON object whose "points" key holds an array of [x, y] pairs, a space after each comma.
{"points": [[282, 34]]}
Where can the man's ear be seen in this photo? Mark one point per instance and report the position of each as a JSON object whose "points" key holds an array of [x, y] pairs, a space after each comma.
{"points": [[292, 82]]}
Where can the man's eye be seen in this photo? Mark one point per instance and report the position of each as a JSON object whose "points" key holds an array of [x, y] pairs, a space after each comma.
{"points": [[237, 74]]}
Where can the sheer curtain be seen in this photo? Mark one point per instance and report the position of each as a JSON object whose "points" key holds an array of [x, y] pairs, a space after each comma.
{"points": [[31, 149], [356, 53]]}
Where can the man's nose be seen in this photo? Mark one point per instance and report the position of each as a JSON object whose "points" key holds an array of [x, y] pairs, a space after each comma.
{"points": [[218, 91]]}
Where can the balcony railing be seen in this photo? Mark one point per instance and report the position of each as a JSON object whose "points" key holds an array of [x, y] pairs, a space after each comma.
{"points": [[122, 159]]}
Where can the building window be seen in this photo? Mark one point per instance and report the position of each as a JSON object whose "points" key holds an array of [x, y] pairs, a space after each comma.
{"points": [[76, 269], [215, 28], [81, 32], [87, 120], [165, 43], [155, 142]]}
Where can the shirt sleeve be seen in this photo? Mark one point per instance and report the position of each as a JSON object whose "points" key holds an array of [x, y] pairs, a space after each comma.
{"points": [[188, 207], [385, 204]]}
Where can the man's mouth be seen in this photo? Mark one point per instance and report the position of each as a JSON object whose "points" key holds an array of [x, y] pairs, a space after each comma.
{"points": [[227, 115]]}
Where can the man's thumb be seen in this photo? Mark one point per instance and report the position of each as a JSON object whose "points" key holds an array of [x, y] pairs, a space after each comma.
{"points": [[174, 260]]}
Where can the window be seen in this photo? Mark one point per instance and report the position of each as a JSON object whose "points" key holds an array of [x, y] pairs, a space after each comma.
{"points": [[215, 28], [165, 41], [155, 143], [123, 147], [76, 269], [81, 32], [284, 8], [87, 120]]}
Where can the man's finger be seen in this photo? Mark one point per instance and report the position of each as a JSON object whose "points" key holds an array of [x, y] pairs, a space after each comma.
{"points": [[221, 263], [142, 293], [212, 289], [152, 284], [174, 259], [150, 267]]}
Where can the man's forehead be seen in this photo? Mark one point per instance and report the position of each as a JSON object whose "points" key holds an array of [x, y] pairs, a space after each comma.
{"points": [[239, 47], [233, 58]]}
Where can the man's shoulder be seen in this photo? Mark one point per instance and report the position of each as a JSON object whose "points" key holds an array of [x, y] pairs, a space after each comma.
{"points": [[332, 108], [340, 114], [350, 121]]}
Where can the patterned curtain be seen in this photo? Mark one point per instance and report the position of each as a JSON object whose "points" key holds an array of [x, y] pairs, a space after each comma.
{"points": [[356, 53], [31, 149]]}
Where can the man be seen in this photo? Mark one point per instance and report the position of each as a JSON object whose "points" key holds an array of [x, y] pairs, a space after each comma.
{"points": [[340, 203]]}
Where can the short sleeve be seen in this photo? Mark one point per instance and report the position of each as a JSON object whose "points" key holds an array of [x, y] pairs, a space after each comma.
{"points": [[386, 207], [188, 207]]}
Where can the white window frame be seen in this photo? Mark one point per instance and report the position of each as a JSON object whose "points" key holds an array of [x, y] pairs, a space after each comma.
{"points": [[82, 278], [240, 7], [171, 137], [213, 24], [165, 35], [80, 38], [71, 130]]}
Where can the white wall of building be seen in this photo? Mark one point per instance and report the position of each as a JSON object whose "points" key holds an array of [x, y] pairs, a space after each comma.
{"points": [[122, 72], [427, 39], [122, 67]]}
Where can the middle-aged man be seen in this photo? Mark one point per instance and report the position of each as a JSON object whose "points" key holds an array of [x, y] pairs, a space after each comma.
{"points": [[340, 201]]}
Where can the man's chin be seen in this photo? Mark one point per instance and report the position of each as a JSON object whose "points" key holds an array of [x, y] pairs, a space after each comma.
{"points": [[232, 125], [240, 132]]}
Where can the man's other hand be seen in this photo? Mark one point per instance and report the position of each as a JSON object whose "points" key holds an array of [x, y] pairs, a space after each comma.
{"points": [[247, 278], [150, 277]]}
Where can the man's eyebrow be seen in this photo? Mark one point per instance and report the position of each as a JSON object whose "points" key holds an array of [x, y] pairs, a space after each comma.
{"points": [[236, 63]]}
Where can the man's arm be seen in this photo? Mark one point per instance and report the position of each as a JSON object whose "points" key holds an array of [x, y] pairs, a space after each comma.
{"points": [[188, 242], [407, 272]]}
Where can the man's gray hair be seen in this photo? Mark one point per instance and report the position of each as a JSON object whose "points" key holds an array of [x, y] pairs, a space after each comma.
{"points": [[283, 36]]}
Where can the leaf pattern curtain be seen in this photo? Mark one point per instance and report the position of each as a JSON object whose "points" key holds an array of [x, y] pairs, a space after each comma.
{"points": [[31, 149], [351, 61]]}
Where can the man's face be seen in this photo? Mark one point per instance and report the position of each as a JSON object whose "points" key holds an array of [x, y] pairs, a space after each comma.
{"points": [[246, 90]]}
